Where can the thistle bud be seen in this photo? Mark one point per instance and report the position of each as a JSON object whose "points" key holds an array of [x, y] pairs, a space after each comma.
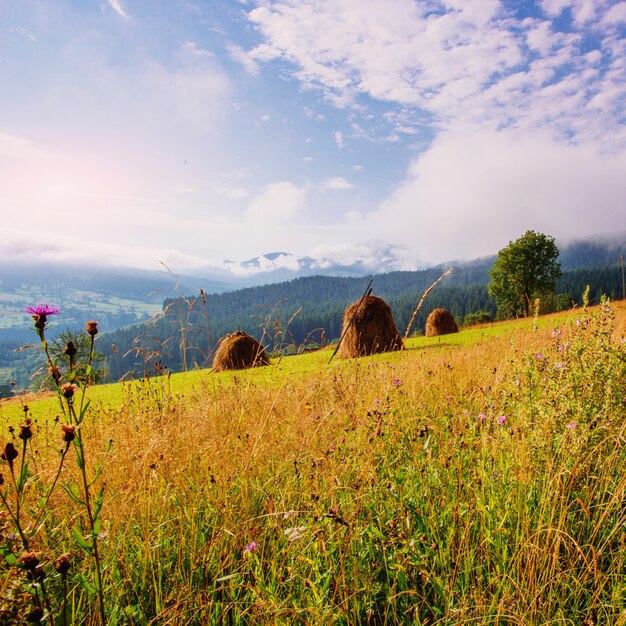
{"points": [[63, 563], [70, 349], [69, 432], [26, 431], [29, 560], [92, 328], [68, 390], [10, 453]]}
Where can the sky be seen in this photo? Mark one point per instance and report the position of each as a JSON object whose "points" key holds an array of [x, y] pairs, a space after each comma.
{"points": [[190, 132]]}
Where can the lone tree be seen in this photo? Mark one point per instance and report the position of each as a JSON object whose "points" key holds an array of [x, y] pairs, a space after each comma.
{"points": [[526, 269]]}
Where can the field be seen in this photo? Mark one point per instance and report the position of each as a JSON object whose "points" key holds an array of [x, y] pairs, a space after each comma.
{"points": [[476, 478]]}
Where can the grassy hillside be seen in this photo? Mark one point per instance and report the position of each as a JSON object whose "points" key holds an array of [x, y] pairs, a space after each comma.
{"points": [[475, 478]]}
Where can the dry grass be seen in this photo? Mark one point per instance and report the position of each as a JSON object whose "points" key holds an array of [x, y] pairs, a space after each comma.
{"points": [[377, 491]]}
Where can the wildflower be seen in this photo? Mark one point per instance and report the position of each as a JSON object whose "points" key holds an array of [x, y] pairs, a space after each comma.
{"points": [[42, 309], [69, 432], [92, 328], [539, 356], [376, 401], [481, 417], [63, 563], [571, 425], [251, 547], [68, 390], [40, 314], [10, 454], [560, 365], [26, 431], [501, 420], [397, 382]]}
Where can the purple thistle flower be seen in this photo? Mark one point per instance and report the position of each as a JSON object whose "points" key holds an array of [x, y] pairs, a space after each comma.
{"points": [[572, 425], [481, 417], [40, 315], [501, 420], [42, 309], [251, 547], [397, 382]]}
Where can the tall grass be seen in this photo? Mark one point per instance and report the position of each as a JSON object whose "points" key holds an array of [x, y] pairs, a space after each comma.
{"points": [[473, 484]]}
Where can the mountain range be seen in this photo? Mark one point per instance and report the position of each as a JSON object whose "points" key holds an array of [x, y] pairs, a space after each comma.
{"points": [[238, 294]]}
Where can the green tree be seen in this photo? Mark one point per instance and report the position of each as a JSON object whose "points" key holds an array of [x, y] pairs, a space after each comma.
{"points": [[526, 269]]}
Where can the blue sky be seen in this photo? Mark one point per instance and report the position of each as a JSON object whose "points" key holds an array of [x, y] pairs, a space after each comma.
{"points": [[190, 132]]}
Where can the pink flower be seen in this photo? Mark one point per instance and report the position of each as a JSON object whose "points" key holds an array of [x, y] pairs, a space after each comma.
{"points": [[572, 425], [42, 309], [501, 420], [397, 382], [251, 547], [481, 417]]}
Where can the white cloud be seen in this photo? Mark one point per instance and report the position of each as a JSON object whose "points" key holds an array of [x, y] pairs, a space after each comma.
{"points": [[279, 203], [471, 193], [615, 14], [374, 254], [339, 139], [39, 247], [264, 264], [116, 5], [23, 32], [193, 48], [233, 193], [337, 183], [244, 58], [582, 10], [468, 64]]}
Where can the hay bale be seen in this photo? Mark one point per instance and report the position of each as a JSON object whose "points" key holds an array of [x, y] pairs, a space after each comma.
{"points": [[239, 351], [371, 329], [441, 322]]}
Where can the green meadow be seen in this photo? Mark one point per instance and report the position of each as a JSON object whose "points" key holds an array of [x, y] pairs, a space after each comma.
{"points": [[474, 478]]}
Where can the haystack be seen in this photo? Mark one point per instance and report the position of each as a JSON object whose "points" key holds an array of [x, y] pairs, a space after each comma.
{"points": [[239, 351], [440, 322], [370, 329]]}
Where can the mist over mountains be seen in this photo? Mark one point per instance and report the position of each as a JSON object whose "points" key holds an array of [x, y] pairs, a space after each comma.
{"points": [[121, 296]]}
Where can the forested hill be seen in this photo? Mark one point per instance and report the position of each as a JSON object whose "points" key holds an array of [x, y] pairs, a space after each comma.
{"points": [[308, 312]]}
